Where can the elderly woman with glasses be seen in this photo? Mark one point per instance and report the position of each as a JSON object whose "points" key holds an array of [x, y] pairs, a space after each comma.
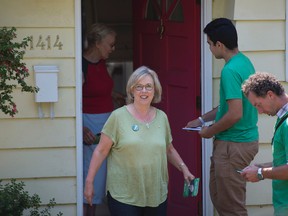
{"points": [[98, 98], [137, 141]]}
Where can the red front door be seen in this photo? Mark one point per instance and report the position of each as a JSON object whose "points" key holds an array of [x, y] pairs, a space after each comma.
{"points": [[167, 39]]}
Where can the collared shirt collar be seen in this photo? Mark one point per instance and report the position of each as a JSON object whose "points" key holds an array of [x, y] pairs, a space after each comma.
{"points": [[282, 111]]}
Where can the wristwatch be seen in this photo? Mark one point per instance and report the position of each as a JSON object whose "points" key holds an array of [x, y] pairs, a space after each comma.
{"points": [[259, 174]]}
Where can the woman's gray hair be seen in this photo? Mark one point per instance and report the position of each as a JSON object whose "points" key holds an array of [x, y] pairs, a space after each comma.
{"points": [[136, 76], [97, 32]]}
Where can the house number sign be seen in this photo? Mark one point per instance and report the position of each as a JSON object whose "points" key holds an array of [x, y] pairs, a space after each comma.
{"points": [[45, 43]]}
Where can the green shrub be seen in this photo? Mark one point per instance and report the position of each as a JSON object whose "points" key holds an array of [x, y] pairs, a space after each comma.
{"points": [[13, 70], [14, 200]]}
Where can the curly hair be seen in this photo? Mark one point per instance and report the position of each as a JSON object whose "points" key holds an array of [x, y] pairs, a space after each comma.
{"points": [[262, 82]]}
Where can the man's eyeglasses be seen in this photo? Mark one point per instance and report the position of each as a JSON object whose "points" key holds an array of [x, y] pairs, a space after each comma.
{"points": [[148, 87]]}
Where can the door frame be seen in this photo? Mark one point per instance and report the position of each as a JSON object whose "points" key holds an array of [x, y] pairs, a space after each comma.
{"points": [[206, 104], [78, 92]]}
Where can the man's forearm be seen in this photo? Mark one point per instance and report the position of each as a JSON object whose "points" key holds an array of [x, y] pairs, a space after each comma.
{"points": [[264, 165]]}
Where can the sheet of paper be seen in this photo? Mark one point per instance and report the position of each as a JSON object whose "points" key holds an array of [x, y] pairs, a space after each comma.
{"points": [[192, 128]]}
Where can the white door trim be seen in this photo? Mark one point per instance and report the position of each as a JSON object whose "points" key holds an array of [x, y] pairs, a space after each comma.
{"points": [[78, 75], [206, 104]]}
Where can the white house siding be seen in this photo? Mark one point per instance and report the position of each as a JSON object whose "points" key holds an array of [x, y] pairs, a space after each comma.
{"points": [[42, 151], [261, 31]]}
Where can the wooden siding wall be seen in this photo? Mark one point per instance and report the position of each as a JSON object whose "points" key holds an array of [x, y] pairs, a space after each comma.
{"points": [[261, 30], [41, 151]]}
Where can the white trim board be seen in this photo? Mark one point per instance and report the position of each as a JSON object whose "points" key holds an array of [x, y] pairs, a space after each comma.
{"points": [[206, 104], [79, 129]]}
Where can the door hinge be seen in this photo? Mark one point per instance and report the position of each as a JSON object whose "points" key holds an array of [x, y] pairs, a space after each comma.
{"points": [[198, 102], [200, 210]]}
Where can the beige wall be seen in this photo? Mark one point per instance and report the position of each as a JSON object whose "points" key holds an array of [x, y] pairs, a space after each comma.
{"points": [[42, 152], [261, 31]]}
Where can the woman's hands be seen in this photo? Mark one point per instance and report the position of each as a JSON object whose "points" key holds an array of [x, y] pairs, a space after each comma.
{"points": [[88, 137], [188, 176], [89, 192], [174, 158]]}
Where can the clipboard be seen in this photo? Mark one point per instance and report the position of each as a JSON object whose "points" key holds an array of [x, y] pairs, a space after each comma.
{"points": [[192, 128]]}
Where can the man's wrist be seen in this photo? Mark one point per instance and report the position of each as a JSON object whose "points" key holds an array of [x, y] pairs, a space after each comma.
{"points": [[260, 174]]}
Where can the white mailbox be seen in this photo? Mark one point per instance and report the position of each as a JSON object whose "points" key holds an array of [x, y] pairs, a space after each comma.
{"points": [[46, 78]]}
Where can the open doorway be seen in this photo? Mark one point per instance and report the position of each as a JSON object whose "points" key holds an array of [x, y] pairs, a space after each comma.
{"points": [[176, 58], [117, 15]]}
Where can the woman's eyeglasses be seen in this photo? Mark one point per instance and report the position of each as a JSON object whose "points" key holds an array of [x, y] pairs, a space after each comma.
{"points": [[148, 87]]}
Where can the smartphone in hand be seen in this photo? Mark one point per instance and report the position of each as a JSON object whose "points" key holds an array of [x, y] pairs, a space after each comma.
{"points": [[239, 171]]}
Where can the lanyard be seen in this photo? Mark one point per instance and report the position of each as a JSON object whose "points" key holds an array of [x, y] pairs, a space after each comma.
{"points": [[278, 125]]}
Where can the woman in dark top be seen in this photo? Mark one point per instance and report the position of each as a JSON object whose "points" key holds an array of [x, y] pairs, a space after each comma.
{"points": [[97, 102]]}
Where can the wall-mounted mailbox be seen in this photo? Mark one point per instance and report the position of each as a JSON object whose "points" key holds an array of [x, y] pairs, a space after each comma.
{"points": [[46, 78]]}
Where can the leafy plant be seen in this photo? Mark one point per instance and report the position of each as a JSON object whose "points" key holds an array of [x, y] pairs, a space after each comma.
{"points": [[12, 70], [14, 200]]}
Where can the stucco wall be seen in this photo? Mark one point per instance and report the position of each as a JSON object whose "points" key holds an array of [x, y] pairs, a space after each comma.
{"points": [[41, 151], [261, 30]]}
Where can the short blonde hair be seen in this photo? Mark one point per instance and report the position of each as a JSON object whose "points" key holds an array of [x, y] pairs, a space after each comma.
{"points": [[136, 76]]}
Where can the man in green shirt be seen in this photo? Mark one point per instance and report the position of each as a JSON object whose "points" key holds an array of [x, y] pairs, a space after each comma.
{"points": [[235, 129], [268, 96]]}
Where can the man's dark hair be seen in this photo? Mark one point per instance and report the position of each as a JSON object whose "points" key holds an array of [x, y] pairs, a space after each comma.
{"points": [[260, 83], [222, 30]]}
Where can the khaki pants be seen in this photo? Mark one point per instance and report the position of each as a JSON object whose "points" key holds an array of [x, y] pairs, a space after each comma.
{"points": [[227, 187]]}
